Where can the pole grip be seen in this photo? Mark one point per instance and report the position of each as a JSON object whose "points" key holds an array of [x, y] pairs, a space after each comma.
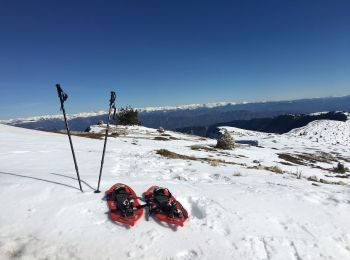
{"points": [[112, 99], [63, 96]]}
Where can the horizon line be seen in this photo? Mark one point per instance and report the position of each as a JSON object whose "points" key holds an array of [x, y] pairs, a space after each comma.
{"points": [[159, 108]]}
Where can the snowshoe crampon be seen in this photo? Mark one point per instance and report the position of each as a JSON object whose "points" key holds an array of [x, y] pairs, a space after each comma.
{"points": [[163, 206], [123, 204]]}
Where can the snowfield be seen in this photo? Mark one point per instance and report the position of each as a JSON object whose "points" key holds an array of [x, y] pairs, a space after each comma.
{"points": [[278, 200], [325, 131]]}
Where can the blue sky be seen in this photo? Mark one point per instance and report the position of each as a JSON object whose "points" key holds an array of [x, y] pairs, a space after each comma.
{"points": [[157, 53]]}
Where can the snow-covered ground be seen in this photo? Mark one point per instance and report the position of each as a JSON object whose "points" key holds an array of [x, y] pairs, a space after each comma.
{"points": [[325, 131], [239, 207]]}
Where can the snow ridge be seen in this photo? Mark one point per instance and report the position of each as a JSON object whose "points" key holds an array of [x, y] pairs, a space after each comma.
{"points": [[48, 117], [189, 107], [325, 131]]}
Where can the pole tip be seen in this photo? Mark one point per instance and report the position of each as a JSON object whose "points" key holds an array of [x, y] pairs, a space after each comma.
{"points": [[97, 191]]}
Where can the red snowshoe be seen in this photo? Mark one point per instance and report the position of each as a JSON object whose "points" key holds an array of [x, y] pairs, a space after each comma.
{"points": [[123, 204], [163, 206]]}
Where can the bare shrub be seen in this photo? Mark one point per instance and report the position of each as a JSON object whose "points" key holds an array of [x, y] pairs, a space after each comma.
{"points": [[312, 178], [298, 174], [274, 169], [214, 163]]}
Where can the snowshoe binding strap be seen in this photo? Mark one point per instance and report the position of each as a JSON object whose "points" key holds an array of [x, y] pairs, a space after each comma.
{"points": [[165, 207], [123, 201], [123, 204], [162, 202]]}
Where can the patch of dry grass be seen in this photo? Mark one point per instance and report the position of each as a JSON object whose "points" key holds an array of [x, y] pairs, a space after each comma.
{"points": [[308, 159], [315, 179], [83, 134], [317, 157], [209, 148], [168, 154], [274, 169], [290, 158], [160, 138], [345, 159], [198, 147], [172, 155], [90, 135], [343, 176], [214, 162]]}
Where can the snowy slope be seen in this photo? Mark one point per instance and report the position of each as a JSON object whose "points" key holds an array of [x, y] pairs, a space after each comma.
{"points": [[237, 210], [325, 131]]}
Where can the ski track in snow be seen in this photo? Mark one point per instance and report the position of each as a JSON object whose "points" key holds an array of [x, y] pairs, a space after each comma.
{"points": [[255, 214]]}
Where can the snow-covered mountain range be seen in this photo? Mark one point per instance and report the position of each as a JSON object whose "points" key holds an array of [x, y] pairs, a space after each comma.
{"points": [[192, 115]]}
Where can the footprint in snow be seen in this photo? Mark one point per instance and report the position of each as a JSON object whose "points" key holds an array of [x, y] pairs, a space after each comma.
{"points": [[258, 246], [188, 255], [151, 236], [197, 210], [208, 213]]}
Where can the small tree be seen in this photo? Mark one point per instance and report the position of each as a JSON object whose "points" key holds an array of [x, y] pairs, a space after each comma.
{"points": [[340, 168], [226, 141], [128, 116]]}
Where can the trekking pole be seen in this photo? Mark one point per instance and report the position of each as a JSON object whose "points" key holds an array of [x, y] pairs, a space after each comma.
{"points": [[111, 105], [63, 97]]}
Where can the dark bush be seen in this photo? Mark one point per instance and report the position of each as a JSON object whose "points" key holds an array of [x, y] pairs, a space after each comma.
{"points": [[340, 168], [128, 116], [226, 141]]}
